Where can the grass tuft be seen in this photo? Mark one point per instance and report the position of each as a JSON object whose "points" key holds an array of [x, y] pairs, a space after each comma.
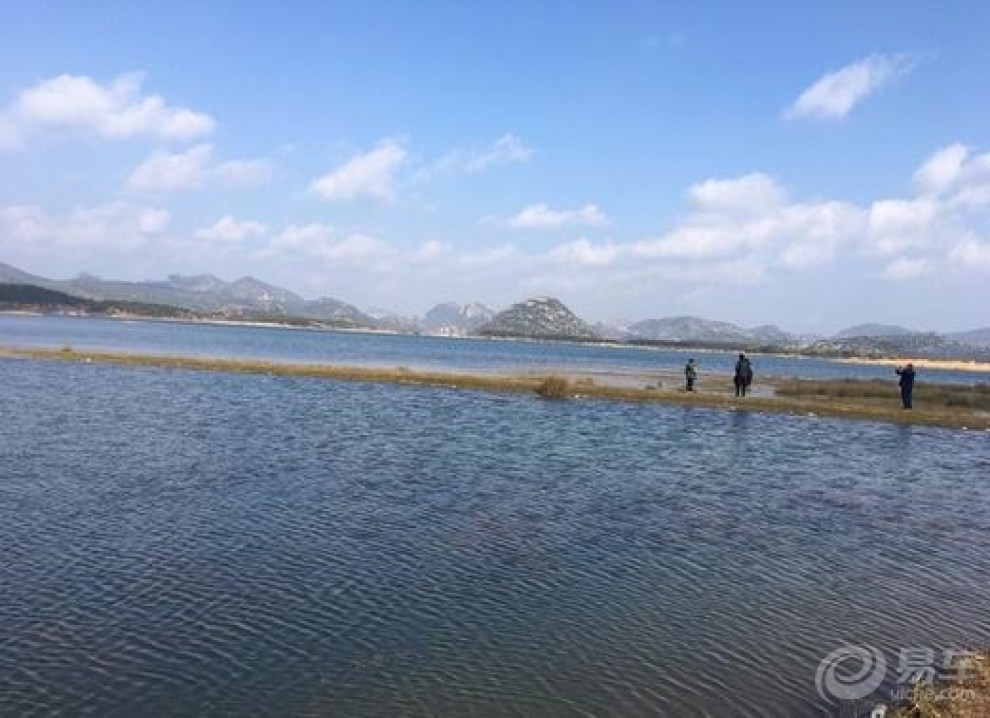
{"points": [[553, 387]]}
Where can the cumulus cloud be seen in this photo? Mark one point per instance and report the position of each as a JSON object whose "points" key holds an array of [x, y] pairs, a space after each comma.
{"points": [[116, 225], [835, 94], [941, 170], [195, 168], [752, 217], [971, 254], [754, 193], [118, 110], [370, 175], [229, 230], [325, 242], [900, 224], [584, 253], [506, 150], [540, 216]]}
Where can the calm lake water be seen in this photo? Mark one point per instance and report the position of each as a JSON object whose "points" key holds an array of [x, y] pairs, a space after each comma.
{"points": [[201, 544], [414, 352]]}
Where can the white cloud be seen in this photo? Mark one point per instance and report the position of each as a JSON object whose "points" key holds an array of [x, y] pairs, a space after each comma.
{"points": [[506, 150], [692, 243], [76, 103], [195, 168], [117, 225], [899, 224], [245, 173], [540, 216], [583, 252], [164, 172], [153, 221], [816, 232], [904, 268], [813, 231], [971, 254], [834, 95], [370, 175], [321, 241], [942, 169], [755, 192], [227, 229]]}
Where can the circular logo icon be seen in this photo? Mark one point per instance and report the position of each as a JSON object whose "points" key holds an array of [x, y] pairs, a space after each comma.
{"points": [[850, 673]]}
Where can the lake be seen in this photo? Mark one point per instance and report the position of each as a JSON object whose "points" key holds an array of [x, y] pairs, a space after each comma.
{"points": [[179, 543], [417, 352]]}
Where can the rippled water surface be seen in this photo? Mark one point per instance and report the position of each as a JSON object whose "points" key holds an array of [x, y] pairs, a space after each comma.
{"points": [[198, 544]]}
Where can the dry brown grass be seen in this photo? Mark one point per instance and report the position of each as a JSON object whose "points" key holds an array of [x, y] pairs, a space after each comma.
{"points": [[969, 698], [870, 390], [553, 387]]}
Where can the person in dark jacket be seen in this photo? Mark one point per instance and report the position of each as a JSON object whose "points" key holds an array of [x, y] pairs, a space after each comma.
{"points": [[906, 383], [690, 375], [743, 376]]}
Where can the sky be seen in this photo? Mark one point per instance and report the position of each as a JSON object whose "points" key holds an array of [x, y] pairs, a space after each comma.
{"points": [[812, 165]]}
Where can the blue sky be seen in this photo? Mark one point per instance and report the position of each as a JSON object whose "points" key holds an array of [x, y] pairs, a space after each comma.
{"points": [[810, 165]]}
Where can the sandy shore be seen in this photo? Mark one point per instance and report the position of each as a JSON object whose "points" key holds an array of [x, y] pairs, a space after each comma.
{"points": [[946, 364], [807, 401]]}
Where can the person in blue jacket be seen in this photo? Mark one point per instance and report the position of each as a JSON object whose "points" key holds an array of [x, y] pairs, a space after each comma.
{"points": [[906, 383]]}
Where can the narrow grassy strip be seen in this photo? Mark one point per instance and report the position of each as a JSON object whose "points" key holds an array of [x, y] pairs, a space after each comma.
{"points": [[792, 396]]}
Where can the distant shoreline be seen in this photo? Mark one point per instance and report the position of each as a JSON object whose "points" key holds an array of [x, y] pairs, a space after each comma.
{"points": [[940, 364], [948, 406], [684, 347]]}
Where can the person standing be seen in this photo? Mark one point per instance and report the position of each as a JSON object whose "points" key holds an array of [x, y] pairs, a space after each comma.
{"points": [[690, 375], [743, 376], [906, 383]]}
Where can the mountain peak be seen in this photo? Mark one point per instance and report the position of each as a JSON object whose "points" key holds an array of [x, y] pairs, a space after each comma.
{"points": [[538, 317], [453, 319]]}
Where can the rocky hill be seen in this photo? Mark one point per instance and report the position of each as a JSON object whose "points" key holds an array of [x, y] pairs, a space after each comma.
{"points": [[30, 297], [696, 329], [914, 344], [873, 330], [539, 318], [452, 319]]}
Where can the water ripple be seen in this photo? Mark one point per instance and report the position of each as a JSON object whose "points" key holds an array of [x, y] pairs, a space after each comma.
{"points": [[183, 544]]}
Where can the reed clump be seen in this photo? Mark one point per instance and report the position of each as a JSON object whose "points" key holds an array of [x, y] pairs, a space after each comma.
{"points": [[553, 387]]}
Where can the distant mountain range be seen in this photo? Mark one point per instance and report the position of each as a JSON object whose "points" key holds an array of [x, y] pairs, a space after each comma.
{"points": [[873, 330], [250, 299], [687, 329], [246, 297]]}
